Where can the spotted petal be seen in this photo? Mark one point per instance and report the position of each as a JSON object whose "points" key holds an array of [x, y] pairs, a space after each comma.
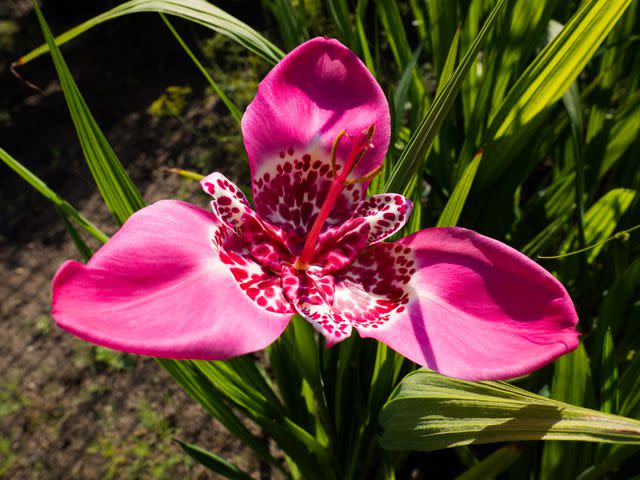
{"points": [[267, 243], [311, 293], [386, 214], [165, 286], [318, 90], [464, 305]]}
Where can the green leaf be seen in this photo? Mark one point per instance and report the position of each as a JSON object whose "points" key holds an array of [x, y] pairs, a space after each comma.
{"points": [[451, 213], [78, 241], [630, 389], [619, 299], [200, 389], [116, 187], [304, 351], [411, 160], [402, 89], [213, 462], [429, 411], [197, 11], [492, 466], [609, 376], [442, 27], [290, 22], [391, 20], [572, 383], [361, 10], [545, 81], [339, 11], [601, 220], [235, 111], [65, 209]]}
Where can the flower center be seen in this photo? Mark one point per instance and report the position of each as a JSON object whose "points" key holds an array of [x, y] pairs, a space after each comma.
{"points": [[339, 181]]}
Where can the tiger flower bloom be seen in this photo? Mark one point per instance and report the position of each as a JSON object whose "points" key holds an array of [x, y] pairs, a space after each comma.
{"points": [[179, 282]]}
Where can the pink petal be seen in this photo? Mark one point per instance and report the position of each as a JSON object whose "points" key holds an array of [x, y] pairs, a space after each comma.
{"points": [[315, 92], [267, 244], [477, 309], [339, 246], [229, 203], [311, 293], [159, 288], [386, 214]]}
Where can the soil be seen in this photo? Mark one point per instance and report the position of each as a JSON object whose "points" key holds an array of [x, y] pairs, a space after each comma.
{"points": [[67, 409]]}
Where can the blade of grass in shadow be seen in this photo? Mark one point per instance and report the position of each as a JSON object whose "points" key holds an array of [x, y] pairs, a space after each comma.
{"points": [[452, 210], [197, 11], [361, 10], [213, 462], [391, 20], [117, 189], [200, 389], [63, 206], [339, 12], [411, 160], [235, 111], [78, 241], [290, 22], [402, 89], [495, 464]]}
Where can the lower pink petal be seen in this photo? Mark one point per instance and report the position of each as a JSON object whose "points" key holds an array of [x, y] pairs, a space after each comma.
{"points": [[477, 308], [159, 288], [312, 293]]}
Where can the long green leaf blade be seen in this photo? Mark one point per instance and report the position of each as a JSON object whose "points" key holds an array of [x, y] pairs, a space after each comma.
{"points": [[414, 154], [452, 210], [545, 81], [214, 462], [429, 411], [120, 195], [64, 207], [197, 11]]}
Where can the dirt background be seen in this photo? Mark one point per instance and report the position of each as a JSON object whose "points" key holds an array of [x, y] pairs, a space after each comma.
{"points": [[67, 409]]}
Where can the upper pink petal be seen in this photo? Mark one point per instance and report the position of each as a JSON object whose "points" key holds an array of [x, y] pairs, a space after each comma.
{"points": [[315, 92], [475, 308], [160, 288]]}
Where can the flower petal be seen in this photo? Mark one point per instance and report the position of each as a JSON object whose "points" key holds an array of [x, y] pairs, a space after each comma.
{"points": [[318, 90], [159, 288], [339, 246], [477, 309], [311, 293], [386, 214], [267, 243]]}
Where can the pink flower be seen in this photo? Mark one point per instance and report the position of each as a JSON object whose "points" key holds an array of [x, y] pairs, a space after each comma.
{"points": [[179, 282]]}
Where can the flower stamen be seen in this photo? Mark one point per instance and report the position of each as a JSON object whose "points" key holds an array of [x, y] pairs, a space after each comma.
{"points": [[339, 182]]}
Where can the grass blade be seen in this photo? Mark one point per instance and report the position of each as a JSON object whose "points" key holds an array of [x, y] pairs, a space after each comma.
{"points": [[213, 462], [235, 111], [545, 81], [496, 463], [452, 210], [117, 189], [197, 11], [411, 160], [65, 209]]}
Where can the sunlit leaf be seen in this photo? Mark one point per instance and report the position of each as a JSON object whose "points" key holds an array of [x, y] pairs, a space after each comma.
{"points": [[429, 411]]}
